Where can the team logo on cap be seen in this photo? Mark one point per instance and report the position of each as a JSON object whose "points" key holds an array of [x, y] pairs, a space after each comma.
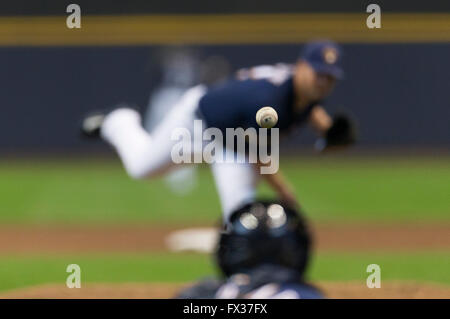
{"points": [[330, 55]]}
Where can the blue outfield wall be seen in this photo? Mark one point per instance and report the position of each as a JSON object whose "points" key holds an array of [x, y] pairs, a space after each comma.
{"points": [[400, 93]]}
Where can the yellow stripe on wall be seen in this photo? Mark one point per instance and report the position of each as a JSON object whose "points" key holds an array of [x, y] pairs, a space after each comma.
{"points": [[223, 29]]}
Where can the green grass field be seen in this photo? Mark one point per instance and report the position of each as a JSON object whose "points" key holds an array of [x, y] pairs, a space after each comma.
{"points": [[331, 190], [18, 272], [388, 189]]}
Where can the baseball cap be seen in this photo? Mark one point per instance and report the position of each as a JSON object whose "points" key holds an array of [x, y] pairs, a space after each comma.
{"points": [[324, 57]]}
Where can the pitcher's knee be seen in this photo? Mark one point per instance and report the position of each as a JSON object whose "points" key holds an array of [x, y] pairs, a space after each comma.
{"points": [[136, 174], [137, 170], [143, 172]]}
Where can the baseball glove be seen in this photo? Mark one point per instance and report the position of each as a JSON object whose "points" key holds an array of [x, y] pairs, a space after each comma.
{"points": [[341, 133]]}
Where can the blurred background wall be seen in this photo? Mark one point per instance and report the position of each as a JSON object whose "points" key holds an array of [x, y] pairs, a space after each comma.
{"points": [[397, 78]]}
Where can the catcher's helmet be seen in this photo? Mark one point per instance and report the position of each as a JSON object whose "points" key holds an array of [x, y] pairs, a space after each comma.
{"points": [[263, 232]]}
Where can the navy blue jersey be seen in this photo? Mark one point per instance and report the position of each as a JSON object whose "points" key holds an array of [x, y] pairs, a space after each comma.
{"points": [[262, 282], [235, 103], [214, 288], [296, 291]]}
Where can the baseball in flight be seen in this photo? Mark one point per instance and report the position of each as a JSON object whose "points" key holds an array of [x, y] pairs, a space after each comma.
{"points": [[266, 117]]}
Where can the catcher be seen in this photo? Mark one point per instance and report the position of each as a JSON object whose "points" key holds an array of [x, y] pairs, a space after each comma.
{"points": [[263, 252]]}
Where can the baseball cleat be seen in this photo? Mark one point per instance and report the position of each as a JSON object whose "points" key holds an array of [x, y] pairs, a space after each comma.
{"points": [[91, 124]]}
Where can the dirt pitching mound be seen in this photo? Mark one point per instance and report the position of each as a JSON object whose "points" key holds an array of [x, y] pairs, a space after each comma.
{"points": [[345, 290], [25, 239]]}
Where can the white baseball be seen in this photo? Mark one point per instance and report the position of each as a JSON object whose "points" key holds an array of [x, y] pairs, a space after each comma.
{"points": [[266, 117]]}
